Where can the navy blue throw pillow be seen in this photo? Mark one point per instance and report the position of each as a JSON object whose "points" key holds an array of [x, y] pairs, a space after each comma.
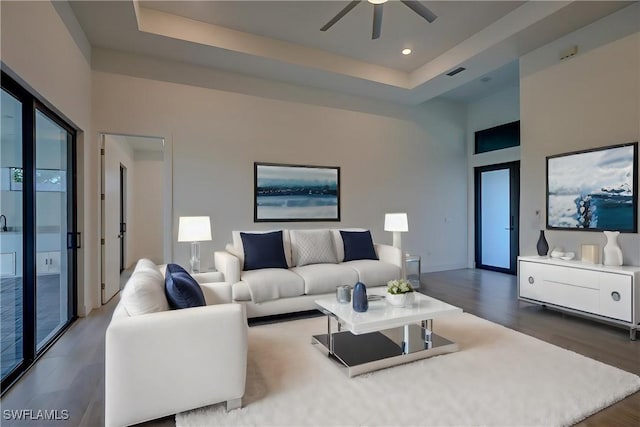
{"points": [[263, 250], [181, 289], [358, 245]]}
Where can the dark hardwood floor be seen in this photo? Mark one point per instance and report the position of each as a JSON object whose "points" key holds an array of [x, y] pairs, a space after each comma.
{"points": [[71, 374]]}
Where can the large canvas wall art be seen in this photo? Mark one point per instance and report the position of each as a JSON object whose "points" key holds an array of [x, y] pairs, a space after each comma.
{"points": [[296, 193], [594, 190]]}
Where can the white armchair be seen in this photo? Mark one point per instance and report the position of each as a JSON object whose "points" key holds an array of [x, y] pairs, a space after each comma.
{"points": [[162, 363]]}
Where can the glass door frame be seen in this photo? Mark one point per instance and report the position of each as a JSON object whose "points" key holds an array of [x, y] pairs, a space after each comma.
{"points": [[514, 213], [31, 104]]}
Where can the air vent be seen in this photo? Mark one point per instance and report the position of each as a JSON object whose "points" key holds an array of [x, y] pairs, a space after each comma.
{"points": [[456, 71], [568, 53]]}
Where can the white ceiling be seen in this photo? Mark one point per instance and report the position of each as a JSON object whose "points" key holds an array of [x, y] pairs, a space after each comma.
{"points": [[281, 40], [299, 22]]}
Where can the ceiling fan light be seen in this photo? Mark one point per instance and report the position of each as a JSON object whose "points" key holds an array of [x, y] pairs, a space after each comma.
{"points": [[406, 51], [377, 1]]}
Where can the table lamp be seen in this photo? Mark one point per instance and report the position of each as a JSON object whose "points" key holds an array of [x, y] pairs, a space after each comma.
{"points": [[397, 223], [194, 229]]}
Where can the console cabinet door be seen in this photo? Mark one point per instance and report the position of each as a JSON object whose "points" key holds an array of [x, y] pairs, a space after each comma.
{"points": [[615, 296], [530, 280], [567, 287]]}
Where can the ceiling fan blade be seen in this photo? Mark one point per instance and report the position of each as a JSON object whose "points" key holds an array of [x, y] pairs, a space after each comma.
{"points": [[420, 9], [377, 21], [340, 14]]}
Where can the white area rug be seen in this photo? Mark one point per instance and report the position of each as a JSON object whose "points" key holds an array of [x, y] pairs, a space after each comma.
{"points": [[498, 378]]}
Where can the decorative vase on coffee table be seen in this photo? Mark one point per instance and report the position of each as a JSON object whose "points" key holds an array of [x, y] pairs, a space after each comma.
{"points": [[360, 301], [612, 251]]}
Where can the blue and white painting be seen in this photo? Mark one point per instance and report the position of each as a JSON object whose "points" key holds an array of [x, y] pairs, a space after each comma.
{"points": [[594, 190], [296, 193]]}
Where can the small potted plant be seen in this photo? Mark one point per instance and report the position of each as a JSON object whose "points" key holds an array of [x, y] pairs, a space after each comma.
{"points": [[400, 293]]}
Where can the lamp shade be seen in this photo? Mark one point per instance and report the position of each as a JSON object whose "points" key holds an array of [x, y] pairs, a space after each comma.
{"points": [[194, 229], [396, 222]]}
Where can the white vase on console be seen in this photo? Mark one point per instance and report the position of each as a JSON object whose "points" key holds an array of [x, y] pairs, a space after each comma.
{"points": [[612, 251]]}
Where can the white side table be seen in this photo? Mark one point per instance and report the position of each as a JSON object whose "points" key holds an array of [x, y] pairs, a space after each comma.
{"points": [[412, 263]]}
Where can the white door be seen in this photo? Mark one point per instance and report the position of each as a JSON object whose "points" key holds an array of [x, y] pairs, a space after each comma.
{"points": [[116, 153]]}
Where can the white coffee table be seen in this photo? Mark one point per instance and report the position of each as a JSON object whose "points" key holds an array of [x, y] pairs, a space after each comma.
{"points": [[384, 335]]}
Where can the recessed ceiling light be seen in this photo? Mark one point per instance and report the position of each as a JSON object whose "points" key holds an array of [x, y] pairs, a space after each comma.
{"points": [[485, 79], [406, 51], [377, 1]]}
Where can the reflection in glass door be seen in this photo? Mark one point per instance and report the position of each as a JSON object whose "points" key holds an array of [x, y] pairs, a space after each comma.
{"points": [[53, 144], [11, 235], [38, 239], [496, 221]]}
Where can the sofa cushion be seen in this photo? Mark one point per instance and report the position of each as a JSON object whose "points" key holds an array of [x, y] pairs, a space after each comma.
{"points": [[144, 292], [323, 278], [263, 250], [182, 290], [272, 283], [239, 249], [358, 245], [240, 291], [374, 273], [312, 247]]}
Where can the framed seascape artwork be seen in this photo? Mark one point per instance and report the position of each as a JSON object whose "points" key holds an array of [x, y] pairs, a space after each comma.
{"points": [[594, 190], [296, 193]]}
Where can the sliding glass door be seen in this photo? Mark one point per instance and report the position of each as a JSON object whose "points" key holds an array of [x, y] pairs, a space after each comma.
{"points": [[53, 226], [37, 246], [11, 235]]}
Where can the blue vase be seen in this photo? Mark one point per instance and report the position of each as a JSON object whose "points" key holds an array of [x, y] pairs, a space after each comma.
{"points": [[360, 302]]}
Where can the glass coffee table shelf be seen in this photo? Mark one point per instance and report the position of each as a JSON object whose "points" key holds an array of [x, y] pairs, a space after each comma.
{"points": [[383, 336]]}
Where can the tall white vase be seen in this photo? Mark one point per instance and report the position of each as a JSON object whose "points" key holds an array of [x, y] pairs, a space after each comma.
{"points": [[612, 252]]}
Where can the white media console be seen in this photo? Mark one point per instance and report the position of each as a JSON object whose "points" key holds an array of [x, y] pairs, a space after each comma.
{"points": [[602, 292]]}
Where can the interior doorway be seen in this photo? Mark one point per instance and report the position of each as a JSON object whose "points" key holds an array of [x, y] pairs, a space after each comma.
{"points": [[497, 212], [134, 206]]}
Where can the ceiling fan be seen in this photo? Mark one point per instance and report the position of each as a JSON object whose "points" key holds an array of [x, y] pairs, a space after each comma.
{"points": [[414, 5]]}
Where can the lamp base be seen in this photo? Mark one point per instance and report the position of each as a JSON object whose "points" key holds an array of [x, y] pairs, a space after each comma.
{"points": [[397, 243], [195, 257]]}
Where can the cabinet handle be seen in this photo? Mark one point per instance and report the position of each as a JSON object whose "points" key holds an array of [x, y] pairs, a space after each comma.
{"points": [[615, 295], [531, 280]]}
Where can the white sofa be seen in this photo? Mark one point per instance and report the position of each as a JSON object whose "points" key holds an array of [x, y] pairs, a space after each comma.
{"points": [[160, 362], [295, 288]]}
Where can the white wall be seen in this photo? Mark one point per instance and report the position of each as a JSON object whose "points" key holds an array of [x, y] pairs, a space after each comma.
{"points": [[392, 158], [588, 101], [147, 226], [53, 61], [497, 109]]}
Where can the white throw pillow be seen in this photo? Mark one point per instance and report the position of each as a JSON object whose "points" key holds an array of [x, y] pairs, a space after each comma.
{"points": [[312, 247], [144, 293]]}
